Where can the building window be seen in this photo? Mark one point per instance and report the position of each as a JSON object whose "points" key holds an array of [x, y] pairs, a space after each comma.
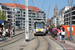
{"points": [[16, 6], [29, 18], [23, 12]]}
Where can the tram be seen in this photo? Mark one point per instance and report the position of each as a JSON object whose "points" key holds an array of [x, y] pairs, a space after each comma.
{"points": [[39, 28]]}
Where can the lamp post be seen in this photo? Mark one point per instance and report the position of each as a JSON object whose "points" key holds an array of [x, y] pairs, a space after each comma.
{"points": [[26, 22]]}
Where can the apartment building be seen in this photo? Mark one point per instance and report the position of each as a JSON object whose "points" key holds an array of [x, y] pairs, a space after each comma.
{"points": [[16, 14], [67, 16], [61, 15], [10, 16], [48, 22]]}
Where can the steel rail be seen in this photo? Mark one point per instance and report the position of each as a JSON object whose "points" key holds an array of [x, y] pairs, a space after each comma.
{"points": [[48, 44], [59, 44], [17, 38], [38, 44]]}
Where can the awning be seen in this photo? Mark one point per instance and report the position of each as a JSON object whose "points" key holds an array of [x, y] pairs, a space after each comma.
{"points": [[1, 21]]}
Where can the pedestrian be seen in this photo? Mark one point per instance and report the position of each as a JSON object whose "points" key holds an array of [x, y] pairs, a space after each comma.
{"points": [[47, 29], [9, 32], [6, 32], [13, 31], [0, 31], [59, 33], [55, 33], [50, 31], [4, 35], [63, 32]]}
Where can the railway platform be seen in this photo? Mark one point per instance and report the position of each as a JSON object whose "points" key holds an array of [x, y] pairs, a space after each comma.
{"points": [[69, 45]]}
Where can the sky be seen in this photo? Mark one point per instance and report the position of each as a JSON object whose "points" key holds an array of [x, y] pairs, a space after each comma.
{"points": [[45, 5]]}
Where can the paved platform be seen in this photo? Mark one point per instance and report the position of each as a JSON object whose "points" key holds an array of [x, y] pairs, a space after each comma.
{"points": [[69, 45], [16, 33]]}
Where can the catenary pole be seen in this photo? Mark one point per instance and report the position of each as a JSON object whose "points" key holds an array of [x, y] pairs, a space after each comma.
{"points": [[70, 25], [26, 22], [71, 1]]}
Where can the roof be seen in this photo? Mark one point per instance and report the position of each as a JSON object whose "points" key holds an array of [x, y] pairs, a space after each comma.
{"points": [[21, 6], [48, 19]]}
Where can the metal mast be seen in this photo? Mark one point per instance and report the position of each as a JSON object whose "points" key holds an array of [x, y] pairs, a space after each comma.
{"points": [[26, 22]]}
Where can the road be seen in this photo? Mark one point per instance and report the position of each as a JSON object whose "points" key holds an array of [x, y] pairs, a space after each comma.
{"points": [[19, 43]]}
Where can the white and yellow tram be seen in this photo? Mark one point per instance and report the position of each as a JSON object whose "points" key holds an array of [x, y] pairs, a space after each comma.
{"points": [[39, 28]]}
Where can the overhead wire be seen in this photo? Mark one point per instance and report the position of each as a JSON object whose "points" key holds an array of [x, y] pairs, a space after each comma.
{"points": [[18, 7], [34, 5], [19, 4], [30, 2], [48, 11], [21, 11], [44, 9], [13, 2], [71, 2], [68, 2], [43, 4]]}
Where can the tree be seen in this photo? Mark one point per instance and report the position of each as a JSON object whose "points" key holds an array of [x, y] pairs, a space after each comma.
{"points": [[2, 15]]}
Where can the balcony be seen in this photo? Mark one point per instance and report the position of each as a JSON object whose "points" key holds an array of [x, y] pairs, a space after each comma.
{"points": [[73, 24], [73, 19], [6, 10], [31, 15], [9, 20], [72, 10], [18, 20], [66, 17], [66, 21], [18, 16]]}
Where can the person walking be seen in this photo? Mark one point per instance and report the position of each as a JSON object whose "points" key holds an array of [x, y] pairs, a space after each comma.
{"points": [[9, 32], [63, 32], [55, 33], [59, 33], [0, 31], [50, 29], [6, 32], [13, 31], [4, 35], [47, 29]]}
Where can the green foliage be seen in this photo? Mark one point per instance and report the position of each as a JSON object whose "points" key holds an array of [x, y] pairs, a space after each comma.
{"points": [[2, 15]]}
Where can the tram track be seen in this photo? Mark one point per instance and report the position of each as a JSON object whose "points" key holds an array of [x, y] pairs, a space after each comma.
{"points": [[12, 40], [38, 44], [48, 44], [43, 43], [59, 44]]}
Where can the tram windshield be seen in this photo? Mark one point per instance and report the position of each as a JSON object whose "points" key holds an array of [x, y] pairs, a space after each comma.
{"points": [[39, 25]]}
